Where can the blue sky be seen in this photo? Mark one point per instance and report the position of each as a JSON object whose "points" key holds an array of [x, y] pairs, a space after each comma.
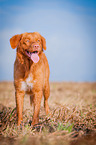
{"points": [[69, 27]]}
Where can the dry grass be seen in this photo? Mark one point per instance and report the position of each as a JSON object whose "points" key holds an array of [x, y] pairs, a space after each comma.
{"points": [[72, 115]]}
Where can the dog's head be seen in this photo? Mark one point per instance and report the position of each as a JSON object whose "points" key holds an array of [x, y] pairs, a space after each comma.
{"points": [[29, 45]]}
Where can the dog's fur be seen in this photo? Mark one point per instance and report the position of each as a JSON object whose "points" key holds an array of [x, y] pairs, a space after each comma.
{"points": [[29, 76]]}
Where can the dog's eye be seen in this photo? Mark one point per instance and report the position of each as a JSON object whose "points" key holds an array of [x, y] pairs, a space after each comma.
{"points": [[27, 40], [38, 40]]}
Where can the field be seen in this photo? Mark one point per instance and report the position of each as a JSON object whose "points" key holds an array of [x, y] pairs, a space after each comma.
{"points": [[72, 118]]}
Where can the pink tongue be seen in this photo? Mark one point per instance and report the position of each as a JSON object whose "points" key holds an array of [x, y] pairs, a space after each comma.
{"points": [[34, 57]]}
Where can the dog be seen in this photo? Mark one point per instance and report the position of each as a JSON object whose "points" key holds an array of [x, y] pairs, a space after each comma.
{"points": [[31, 73]]}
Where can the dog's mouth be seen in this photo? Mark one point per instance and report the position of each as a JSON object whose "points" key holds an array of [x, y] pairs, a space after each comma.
{"points": [[33, 55]]}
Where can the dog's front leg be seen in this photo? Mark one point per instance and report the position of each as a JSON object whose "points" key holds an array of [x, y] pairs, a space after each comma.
{"points": [[37, 103], [19, 105]]}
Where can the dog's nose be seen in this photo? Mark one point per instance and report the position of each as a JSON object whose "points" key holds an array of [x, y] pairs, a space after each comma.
{"points": [[36, 46]]}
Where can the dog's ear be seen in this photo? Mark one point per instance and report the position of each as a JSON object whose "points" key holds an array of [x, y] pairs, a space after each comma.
{"points": [[14, 41], [43, 42]]}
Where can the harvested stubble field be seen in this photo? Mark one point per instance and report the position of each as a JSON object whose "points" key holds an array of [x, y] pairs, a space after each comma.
{"points": [[72, 118]]}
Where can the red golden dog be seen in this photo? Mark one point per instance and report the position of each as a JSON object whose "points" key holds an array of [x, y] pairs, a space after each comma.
{"points": [[31, 72]]}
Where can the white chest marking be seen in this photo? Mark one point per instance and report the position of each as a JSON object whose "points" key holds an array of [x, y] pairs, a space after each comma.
{"points": [[27, 83]]}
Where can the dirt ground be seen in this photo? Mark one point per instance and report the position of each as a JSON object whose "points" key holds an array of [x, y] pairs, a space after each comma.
{"points": [[72, 118]]}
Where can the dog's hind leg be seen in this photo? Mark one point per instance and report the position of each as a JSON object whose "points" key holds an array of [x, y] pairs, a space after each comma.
{"points": [[31, 99], [46, 96]]}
